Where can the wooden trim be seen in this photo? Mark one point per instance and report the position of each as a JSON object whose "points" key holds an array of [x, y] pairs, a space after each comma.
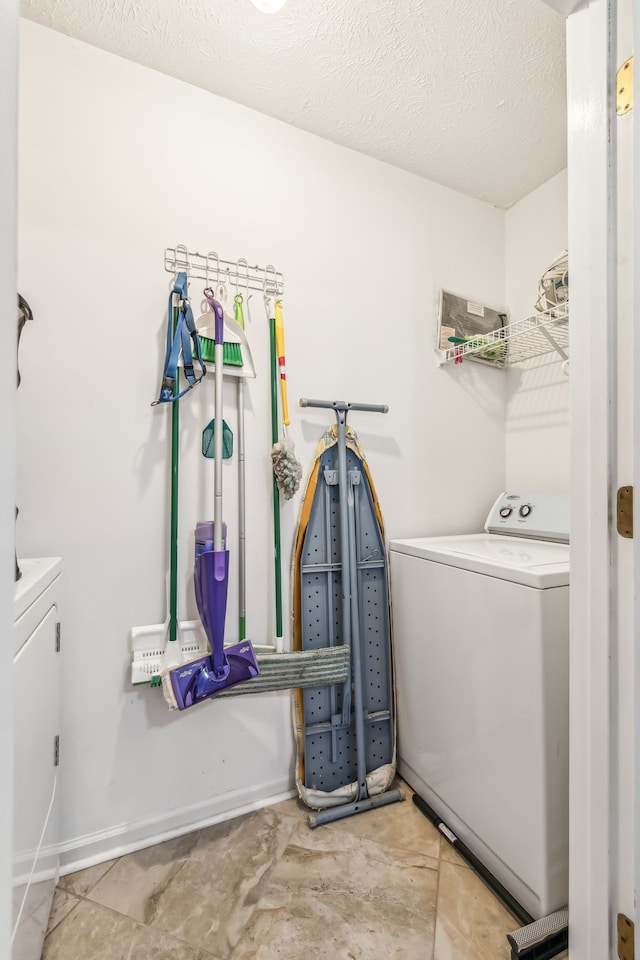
{"points": [[593, 418]]}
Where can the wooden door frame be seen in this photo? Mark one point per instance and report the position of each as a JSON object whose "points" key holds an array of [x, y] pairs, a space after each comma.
{"points": [[592, 253]]}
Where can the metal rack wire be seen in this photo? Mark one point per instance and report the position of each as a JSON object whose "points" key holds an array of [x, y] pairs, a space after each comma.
{"points": [[213, 269], [516, 342]]}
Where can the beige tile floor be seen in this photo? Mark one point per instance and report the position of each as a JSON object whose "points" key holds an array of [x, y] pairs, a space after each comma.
{"points": [[379, 886]]}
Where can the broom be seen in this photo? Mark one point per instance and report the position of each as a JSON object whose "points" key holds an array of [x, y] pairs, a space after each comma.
{"points": [[233, 338]]}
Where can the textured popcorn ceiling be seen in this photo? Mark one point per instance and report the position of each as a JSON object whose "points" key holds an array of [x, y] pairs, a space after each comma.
{"points": [[468, 93]]}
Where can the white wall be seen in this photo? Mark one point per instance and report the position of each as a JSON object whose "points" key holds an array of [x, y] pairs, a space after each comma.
{"points": [[537, 420], [118, 162], [8, 108]]}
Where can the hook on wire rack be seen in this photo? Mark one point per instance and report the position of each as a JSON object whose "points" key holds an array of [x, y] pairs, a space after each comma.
{"points": [[212, 255], [247, 295], [209, 257], [180, 248], [269, 294]]}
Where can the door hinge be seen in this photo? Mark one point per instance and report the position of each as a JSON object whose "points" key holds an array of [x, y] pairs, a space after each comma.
{"points": [[626, 948], [624, 88], [624, 512], [56, 750], [58, 637]]}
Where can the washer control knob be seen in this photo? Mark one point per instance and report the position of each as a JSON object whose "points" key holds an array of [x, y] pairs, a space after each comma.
{"points": [[506, 512], [525, 509]]}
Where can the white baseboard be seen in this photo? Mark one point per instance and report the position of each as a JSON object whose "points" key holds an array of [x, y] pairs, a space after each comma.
{"points": [[116, 841]]}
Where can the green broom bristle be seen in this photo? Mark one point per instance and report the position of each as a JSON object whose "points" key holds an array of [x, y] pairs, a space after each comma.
{"points": [[231, 356]]}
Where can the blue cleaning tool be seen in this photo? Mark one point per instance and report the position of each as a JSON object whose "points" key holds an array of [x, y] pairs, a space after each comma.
{"points": [[180, 336]]}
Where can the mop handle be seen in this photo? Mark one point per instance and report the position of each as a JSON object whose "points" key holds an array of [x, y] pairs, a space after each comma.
{"points": [[282, 368], [173, 533], [277, 547], [343, 405], [218, 428]]}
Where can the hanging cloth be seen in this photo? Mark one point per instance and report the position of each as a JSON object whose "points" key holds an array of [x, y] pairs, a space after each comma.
{"points": [[180, 335]]}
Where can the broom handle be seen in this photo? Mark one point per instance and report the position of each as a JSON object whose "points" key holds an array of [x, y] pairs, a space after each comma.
{"points": [[276, 492]]}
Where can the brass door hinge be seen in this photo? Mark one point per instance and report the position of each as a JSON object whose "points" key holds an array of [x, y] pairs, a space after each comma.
{"points": [[624, 88], [624, 512], [626, 948]]}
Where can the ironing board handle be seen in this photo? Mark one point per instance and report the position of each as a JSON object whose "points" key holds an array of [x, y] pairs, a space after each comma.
{"points": [[343, 406]]}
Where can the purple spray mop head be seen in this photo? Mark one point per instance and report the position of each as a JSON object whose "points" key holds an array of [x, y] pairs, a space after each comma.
{"points": [[190, 683], [193, 682]]}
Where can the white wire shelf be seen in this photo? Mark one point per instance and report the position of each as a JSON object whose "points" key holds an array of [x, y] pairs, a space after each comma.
{"points": [[534, 336]]}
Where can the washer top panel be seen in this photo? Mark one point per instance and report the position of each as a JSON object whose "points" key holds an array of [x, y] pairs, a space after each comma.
{"points": [[532, 563], [37, 574]]}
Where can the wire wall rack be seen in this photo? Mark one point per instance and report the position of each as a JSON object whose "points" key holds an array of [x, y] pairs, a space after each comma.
{"points": [[534, 336], [214, 269]]}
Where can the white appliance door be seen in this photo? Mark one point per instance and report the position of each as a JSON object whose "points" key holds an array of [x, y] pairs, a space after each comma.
{"points": [[35, 818]]}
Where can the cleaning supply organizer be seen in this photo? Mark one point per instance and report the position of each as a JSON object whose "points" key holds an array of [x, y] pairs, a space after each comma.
{"points": [[196, 666]]}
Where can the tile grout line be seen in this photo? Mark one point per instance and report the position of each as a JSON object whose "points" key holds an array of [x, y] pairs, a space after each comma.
{"points": [[71, 893], [437, 897], [137, 923], [276, 860], [62, 885]]}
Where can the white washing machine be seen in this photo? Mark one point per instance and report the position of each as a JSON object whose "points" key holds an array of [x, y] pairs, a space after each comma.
{"points": [[36, 685], [481, 648]]}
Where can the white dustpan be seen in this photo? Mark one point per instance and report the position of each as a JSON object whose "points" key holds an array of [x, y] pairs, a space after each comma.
{"points": [[149, 646], [233, 334]]}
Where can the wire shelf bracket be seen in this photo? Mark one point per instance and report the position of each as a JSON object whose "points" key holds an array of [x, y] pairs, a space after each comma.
{"points": [[214, 269]]}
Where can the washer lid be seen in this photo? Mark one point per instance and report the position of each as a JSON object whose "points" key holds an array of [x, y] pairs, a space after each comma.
{"points": [[534, 563], [37, 574]]}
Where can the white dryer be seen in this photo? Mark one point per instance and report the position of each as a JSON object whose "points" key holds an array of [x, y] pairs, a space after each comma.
{"points": [[481, 648], [36, 687]]}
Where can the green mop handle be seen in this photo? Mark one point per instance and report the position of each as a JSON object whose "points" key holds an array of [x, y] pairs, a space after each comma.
{"points": [[242, 540], [276, 492], [173, 548]]}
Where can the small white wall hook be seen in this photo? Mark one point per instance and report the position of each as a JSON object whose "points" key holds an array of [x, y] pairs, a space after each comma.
{"points": [[212, 255], [186, 266], [269, 288], [271, 278], [247, 296], [221, 293]]}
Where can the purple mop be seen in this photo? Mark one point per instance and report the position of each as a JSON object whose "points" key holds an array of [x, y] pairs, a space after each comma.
{"points": [[192, 682]]}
